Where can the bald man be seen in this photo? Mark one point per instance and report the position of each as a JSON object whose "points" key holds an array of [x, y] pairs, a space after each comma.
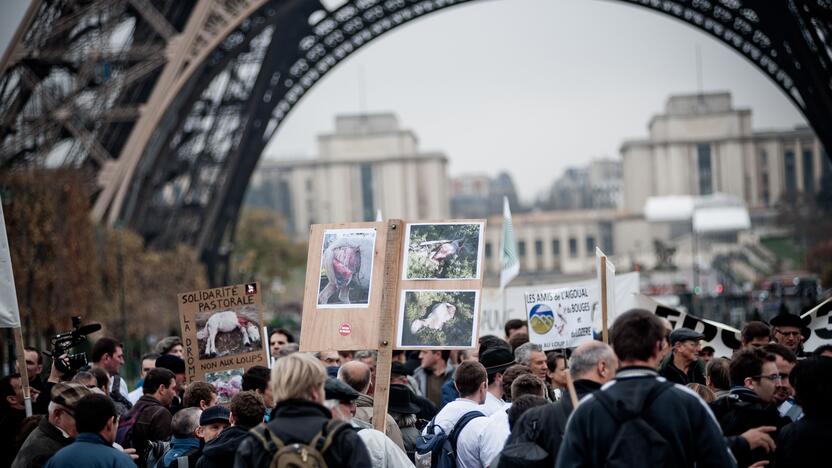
{"points": [[592, 365], [357, 375]]}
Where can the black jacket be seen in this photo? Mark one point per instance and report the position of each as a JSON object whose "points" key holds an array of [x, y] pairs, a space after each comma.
{"points": [[220, 451], [695, 374], [678, 414], [298, 421], [805, 443], [742, 410], [543, 424]]}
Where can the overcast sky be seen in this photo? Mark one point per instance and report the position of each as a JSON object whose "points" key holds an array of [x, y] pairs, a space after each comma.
{"points": [[528, 86]]}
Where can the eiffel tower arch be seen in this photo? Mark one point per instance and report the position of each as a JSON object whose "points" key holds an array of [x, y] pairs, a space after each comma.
{"points": [[167, 105]]}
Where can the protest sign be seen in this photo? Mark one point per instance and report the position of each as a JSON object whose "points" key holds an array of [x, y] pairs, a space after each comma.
{"points": [[345, 272], [820, 325], [221, 333], [494, 317], [559, 318]]}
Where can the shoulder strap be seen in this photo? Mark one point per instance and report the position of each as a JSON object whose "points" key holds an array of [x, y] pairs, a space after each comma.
{"points": [[326, 436], [460, 425], [182, 462], [265, 436]]}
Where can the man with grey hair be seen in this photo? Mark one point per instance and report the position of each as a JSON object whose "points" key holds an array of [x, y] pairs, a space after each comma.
{"points": [[592, 365], [357, 375], [185, 442], [532, 356]]}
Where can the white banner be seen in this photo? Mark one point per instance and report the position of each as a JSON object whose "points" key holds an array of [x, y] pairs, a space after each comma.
{"points": [[820, 325], [493, 318], [559, 318], [9, 313]]}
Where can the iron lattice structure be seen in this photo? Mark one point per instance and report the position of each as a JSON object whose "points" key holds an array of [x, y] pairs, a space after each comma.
{"points": [[168, 104]]}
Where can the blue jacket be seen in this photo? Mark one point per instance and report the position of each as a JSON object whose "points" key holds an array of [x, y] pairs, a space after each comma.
{"points": [[90, 451]]}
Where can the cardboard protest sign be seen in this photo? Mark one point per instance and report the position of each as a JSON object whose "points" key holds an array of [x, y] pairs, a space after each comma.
{"points": [[440, 285], [221, 333], [559, 318], [820, 325], [344, 282]]}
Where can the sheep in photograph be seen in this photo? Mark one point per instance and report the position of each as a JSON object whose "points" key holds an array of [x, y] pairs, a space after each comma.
{"points": [[226, 322], [437, 316]]}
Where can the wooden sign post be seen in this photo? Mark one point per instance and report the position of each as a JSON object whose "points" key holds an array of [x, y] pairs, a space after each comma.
{"points": [[380, 285], [606, 280]]}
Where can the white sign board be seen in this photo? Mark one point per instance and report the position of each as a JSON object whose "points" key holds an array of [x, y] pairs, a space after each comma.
{"points": [[493, 318], [559, 318]]}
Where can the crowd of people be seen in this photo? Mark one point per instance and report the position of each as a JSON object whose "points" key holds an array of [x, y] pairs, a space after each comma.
{"points": [[652, 397]]}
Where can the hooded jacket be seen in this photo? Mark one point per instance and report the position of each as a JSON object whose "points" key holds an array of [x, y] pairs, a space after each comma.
{"points": [[298, 421], [742, 410], [544, 425], [678, 414], [220, 451]]}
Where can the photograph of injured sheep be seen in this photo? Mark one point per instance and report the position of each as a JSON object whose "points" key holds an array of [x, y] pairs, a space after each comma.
{"points": [[438, 319], [442, 251], [228, 332], [346, 268], [228, 383]]}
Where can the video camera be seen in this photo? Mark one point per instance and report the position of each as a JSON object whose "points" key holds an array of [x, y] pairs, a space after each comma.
{"points": [[63, 342]]}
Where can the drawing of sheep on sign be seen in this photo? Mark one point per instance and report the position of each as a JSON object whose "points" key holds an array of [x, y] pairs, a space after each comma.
{"points": [[441, 319], [228, 332], [346, 268], [443, 251]]}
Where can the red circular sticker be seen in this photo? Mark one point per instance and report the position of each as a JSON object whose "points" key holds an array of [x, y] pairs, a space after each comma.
{"points": [[345, 329]]}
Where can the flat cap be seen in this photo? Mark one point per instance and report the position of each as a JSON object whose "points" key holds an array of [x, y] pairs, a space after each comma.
{"points": [[214, 414], [684, 334], [337, 390], [68, 394]]}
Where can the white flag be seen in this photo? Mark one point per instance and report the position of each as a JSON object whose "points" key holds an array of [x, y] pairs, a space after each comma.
{"points": [[9, 313], [509, 264]]}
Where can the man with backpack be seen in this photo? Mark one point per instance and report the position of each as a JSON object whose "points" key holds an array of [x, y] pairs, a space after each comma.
{"points": [[149, 419], [640, 419], [301, 431], [437, 445]]}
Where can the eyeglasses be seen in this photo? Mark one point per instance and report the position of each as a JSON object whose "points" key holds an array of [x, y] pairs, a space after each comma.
{"points": [[790, 334], [772, 377]]}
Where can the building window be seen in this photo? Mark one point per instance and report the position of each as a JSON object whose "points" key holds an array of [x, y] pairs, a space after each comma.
{"points": [[590, 245], [538, 248], [573, 247], [367, 205], [521, 248], [703, 162], [556, 247], [488, 250], [790, 172], [808, 171], [763, 160]]}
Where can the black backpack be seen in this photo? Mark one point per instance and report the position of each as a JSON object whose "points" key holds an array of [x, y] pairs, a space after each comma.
{"points": [[636, 443], [441, 447], [121, 403]]}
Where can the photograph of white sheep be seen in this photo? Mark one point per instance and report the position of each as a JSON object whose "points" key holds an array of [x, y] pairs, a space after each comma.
{"points": [[442, 319], [346, 268], [228, 332], [443, 251]]}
